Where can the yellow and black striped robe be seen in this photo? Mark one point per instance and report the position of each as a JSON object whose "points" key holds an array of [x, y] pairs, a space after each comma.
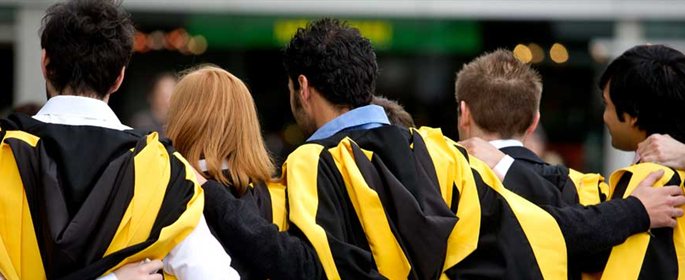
{"points": [[658, 254], [79, 201], [381, 203], [573, 186], [590, 231]]}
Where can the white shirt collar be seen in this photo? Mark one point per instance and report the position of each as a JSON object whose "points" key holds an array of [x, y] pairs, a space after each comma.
{"points": [[203, 165], [503, 143], [79, 110]]}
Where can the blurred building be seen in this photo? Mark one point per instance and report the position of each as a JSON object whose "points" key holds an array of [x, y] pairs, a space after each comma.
{"points": [[420, 47]]}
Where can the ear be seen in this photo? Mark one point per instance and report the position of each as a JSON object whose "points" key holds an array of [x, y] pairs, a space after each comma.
{"points": [[533, 125], [118, 81], [464, 115], [44, 60], [630, 119], [304, 90]]}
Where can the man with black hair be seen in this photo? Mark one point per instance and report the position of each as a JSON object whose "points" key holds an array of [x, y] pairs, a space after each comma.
{"points": [[84, 194], [499, 98], [644, 93]]}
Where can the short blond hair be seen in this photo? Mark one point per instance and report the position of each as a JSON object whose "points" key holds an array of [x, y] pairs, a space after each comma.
{"points": [[502, 92], [213, 116]]}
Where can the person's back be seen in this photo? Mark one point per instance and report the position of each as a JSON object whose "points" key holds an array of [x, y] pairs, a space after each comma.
{"points": [[644, 93], [79, 216], [83, 194]]}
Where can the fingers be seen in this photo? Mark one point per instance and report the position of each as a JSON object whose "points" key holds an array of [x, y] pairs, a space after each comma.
{"points": [[156, 276], [465, 143], [643, 146], [675, 213], [671, 223], [651, 178], [672, 190], [677, 200], [151, 266], [649, 157], [648, 150], [468, 144]]}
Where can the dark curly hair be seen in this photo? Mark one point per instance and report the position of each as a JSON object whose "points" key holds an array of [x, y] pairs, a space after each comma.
{"points": [[87, 43], [337, 61], [648, 82]]}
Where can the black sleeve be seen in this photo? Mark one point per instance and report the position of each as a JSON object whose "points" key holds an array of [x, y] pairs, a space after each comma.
{"points": [[591, 231], [254, 242], [588, 230]]}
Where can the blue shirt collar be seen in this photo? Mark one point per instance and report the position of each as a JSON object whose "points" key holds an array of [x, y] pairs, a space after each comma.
{"points": [[365, 117]]}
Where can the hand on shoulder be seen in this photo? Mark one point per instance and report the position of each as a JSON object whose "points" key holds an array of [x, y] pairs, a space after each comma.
{"points": [[140, 271], [662, 149], [662, 204], [483, 150]]}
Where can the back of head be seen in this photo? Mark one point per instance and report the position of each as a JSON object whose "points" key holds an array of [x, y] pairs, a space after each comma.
{"points": [[503, 93], [213, 117], [337, 61], [648, 82], [87, 43], [160, 93], [395, 111]]}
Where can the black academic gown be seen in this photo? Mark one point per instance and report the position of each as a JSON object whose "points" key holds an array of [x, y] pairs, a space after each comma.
{"points": [[381, 203], [493, 241], [591, 231], [81, 201], [659, 253]]}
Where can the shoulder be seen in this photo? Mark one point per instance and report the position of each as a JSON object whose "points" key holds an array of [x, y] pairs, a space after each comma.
{"points": [[305, 152], [19, 135], [640, 170]]}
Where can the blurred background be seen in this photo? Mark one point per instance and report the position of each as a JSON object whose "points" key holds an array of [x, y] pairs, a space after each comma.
{"points": [[420, 47]]}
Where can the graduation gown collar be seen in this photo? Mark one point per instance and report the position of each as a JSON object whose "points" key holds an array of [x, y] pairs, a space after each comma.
{"points": [[522, 153]]}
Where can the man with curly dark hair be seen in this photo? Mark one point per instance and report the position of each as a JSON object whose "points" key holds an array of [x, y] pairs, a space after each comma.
{"points": [[83, 194], [339, 63]]}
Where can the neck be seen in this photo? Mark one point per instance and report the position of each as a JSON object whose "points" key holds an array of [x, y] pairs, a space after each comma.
{"points": [[70, 91], [327, 113], [158, 114], [490, 136]]}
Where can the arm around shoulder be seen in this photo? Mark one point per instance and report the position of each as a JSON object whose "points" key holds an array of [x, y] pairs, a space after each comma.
{"points": [[256, 242]]}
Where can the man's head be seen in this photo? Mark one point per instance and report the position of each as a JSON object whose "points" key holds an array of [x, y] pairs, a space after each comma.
{"points": [[329, 66], [86, 47], [498, 97], [395, 112], [644, 93], [159, 95]]}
